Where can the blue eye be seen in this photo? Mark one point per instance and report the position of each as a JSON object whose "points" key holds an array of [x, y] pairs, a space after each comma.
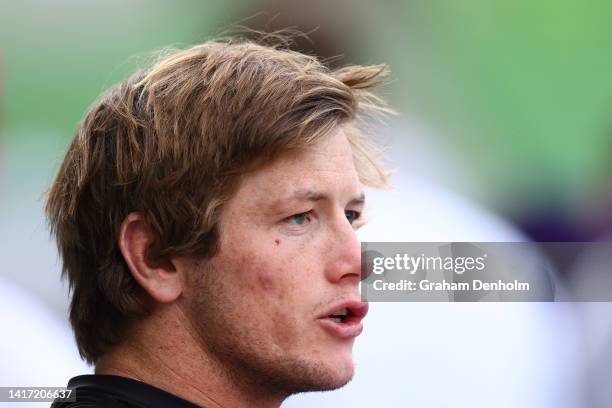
{"points": [[352, 216], [299, 219]]}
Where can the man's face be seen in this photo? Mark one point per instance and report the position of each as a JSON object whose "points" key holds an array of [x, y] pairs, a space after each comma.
{"points": [[288, 260]]}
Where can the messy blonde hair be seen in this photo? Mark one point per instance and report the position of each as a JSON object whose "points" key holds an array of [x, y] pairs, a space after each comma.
{"points": [[171, 143]]}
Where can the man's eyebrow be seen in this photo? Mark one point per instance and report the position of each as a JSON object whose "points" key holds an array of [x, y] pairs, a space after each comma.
{"points": [[360, 200], [312, 195], [305, 194]]}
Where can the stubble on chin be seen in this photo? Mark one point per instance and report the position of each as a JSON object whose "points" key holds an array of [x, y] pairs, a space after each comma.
{"points": [[245, 358]]}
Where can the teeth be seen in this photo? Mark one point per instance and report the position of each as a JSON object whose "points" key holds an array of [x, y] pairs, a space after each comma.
{"points": [[339, 316]]}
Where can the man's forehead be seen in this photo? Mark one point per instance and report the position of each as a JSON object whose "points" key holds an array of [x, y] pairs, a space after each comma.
{"points": [[332, 152], [323, 170]]}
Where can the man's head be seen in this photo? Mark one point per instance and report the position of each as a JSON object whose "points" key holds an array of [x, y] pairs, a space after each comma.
{"points": [[223, 181]]}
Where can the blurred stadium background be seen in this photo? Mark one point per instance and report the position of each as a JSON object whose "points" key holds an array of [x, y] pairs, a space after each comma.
{"points": [[504, 133]]}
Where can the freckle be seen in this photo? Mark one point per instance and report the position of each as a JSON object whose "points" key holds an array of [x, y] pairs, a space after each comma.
{"points": [[277, 241]]}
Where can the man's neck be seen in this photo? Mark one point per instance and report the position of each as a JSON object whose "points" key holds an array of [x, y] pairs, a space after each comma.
{"points": [[169, 356]]}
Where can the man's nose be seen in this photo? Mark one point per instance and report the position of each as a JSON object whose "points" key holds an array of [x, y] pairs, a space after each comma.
{"points": [[344, 257]]}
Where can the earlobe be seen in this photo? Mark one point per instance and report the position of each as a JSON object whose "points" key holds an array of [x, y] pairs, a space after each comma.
{"points": [[160, 279]]}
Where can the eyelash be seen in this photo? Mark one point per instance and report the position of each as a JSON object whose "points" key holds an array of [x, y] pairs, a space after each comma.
{"points": [[356, 216], [294, 216]]}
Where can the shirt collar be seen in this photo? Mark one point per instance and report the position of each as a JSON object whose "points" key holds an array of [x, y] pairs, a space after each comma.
{"points": [[132, 391]]}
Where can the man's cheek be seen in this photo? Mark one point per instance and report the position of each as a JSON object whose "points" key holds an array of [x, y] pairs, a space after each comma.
{"points": [[266, 282], [272, 285], [257, 284]]}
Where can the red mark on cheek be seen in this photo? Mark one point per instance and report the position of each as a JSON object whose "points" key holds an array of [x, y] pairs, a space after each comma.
{"points": [[277, 242], [265, 281]]}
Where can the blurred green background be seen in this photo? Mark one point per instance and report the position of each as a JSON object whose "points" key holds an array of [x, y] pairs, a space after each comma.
{"points": [[519, 92], [507, 104]]}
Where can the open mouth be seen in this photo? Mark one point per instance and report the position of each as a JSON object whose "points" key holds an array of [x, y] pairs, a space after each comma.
{"points": [[341, 316], [346, 315], [345, 320]]}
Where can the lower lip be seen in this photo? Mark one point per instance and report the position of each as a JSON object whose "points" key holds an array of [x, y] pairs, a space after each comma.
{"points": [[342, 330]]}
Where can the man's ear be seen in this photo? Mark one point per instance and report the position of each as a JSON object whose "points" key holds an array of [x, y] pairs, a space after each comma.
{"points": [[161, 280]]}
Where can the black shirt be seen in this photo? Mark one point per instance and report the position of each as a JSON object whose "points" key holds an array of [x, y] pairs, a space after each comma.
{"points": [[113, 391]]}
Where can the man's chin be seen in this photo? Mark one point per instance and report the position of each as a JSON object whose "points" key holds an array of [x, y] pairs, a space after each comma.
{"points": [[327, 376], [336, 383], [297, 376]]}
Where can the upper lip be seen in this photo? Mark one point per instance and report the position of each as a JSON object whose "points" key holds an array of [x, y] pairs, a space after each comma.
{"points": [[356, 309]]}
